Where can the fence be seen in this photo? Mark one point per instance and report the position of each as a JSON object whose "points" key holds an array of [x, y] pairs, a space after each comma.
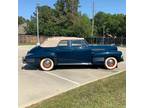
{"points": [[31, 39], [119, 41]]}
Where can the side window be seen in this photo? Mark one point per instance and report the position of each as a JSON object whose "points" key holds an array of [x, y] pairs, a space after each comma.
{"points": [[76, 43], [63, 43]]}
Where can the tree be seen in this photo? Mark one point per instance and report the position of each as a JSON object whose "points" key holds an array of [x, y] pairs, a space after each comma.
{"points": [[67, 6], [113, 24], [52, 22], [81, 26], [75, 23], [65, 20], [47, 21], [21, 20]]}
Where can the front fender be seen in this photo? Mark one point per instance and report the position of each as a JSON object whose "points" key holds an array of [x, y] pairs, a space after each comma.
{"points": [[50, 55], [40, 55]]}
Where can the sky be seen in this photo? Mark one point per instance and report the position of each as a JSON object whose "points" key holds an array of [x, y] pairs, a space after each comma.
{"points": [[27, 7]]}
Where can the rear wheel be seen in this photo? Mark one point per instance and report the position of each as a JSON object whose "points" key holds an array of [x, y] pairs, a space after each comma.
{"points": [[111, 63], [46, 64]]}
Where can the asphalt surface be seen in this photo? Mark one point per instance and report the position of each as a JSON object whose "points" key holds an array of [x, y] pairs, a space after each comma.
{"points": [[36, 85]]}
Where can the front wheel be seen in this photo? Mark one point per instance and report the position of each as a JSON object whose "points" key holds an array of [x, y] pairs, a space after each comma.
{"points": [[111, 63], [46, 64]]}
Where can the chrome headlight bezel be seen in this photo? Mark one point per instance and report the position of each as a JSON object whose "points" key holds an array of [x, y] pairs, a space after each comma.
{"points": [[29, 54]]}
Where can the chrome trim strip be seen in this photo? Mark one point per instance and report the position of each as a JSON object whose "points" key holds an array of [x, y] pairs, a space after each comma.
{"points": [[74, 64], [98, 59]]}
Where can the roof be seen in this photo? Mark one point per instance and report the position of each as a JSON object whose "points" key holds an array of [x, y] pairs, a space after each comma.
{"points": [[53, 41], [21, 28]]}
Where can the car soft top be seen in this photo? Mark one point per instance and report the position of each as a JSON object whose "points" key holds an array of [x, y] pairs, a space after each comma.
{"points": [[53, 41]]}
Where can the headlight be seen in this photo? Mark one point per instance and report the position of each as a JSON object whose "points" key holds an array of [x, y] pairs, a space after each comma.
{"points": [[30, 60], [29, 54]]}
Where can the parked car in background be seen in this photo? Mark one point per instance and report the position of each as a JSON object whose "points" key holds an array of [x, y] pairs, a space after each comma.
{"points": [[72, 51]]}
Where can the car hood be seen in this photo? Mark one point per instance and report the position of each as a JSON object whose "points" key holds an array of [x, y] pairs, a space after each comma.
{"points": [[34, 49]]}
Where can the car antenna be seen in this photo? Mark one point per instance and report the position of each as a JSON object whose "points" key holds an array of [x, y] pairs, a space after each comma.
{"points": [[38, 41]]}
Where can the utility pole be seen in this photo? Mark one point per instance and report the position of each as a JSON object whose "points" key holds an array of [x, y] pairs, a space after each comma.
{"points": [[38, 41], [93, 5]]}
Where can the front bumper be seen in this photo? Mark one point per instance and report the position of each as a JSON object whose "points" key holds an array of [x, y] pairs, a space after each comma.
{"points": [[23, 60], [121, 59], [30, 61]]}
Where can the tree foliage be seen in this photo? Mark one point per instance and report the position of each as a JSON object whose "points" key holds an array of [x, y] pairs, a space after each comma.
{"points": [[21, 20], [60, 22], [65, 20], [106, 23], [67, 6]]}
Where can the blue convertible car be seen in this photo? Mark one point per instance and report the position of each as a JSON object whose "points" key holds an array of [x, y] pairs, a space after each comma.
{"points": [[72, 51]]}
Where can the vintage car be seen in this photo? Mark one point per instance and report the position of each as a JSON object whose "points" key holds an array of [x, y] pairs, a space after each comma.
{"points": [[72, 51]]}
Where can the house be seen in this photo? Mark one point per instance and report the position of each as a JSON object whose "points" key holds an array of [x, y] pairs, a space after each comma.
{"points": [[21, 29]]}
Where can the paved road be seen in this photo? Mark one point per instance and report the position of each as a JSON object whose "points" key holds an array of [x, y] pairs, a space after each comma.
{"points": [[36, 85]]}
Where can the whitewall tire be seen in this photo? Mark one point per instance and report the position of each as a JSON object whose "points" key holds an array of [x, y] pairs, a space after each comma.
{"points": [[111, 63], [46, 64]]}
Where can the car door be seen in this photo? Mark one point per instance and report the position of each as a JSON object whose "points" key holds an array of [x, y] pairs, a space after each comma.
{"points": [[81, 53], [63, 52]]}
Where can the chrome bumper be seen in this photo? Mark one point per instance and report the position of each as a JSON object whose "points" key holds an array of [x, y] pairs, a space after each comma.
{"points": [[23, 60]]}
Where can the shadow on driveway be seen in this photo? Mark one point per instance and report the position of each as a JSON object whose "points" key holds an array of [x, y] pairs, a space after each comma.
{"points": [[30, 67]]}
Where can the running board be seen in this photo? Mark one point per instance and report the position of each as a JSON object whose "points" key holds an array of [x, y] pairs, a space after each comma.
{"points": [[74, 64]]}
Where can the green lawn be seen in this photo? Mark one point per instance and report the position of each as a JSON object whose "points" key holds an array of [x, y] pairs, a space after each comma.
{"points": [[105, 93]]}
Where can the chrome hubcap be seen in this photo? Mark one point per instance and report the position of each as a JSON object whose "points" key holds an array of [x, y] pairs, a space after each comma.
{"points": [[111, 63], [47, 64]]}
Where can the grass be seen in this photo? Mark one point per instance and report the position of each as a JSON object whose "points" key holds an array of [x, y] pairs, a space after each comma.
{"points": [[105, 93]]}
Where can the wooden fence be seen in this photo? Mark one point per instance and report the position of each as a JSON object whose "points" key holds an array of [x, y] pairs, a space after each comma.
{"points": [[29, 39]]}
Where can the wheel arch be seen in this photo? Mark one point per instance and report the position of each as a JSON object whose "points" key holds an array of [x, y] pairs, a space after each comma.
{"points": [[116, 55], [99, 58], [54, 59], [50, 55]]}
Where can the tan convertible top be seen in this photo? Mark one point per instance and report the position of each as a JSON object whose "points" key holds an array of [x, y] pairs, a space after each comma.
{"points": [[53, 41]]}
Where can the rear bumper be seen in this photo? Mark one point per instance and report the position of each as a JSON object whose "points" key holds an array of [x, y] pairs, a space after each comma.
{"points": [[121, 58]]}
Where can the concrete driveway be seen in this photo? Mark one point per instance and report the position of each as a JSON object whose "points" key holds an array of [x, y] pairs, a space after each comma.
{"points": [[36, 85]]}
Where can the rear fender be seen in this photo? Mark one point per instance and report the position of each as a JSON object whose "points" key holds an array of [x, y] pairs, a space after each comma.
{"points": [[100, 57]]}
